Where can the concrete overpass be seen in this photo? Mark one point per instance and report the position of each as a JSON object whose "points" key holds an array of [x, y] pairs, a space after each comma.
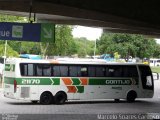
{"points": [[129, 16]]}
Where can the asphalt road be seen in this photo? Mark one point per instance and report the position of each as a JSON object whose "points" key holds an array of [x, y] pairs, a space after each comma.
{"points": [[86, 110]]}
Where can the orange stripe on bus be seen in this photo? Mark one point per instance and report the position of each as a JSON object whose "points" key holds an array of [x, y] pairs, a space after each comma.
{"points": [[84, 81], [72, 89], [67, 81]]}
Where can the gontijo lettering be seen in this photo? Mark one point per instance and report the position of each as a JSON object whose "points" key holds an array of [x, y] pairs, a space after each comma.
{"points": [[118, 82]]}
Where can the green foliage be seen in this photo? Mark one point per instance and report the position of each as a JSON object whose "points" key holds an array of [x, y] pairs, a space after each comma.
{"points": [[127, 45], [63, 42], [25, 47], [156, 53], [10, 51], [84, 47], [10, 18]]}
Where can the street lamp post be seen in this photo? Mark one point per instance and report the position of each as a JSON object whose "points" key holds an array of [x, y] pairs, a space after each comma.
{"points": [[95, 48]]}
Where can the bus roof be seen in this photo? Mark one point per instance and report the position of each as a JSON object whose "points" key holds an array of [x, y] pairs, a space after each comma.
{"points": [[69, 61]]}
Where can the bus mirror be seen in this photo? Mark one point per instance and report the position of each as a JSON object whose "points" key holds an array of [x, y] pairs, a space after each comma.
{"points": [[155, 76]]}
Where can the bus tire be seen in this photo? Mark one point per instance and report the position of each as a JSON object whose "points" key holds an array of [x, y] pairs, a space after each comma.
{"points": [[60, 98], [46, 98], [131, 96]]}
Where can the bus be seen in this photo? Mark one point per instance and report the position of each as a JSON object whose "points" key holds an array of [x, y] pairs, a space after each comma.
{"points": [[56, 81], [154, 62]]}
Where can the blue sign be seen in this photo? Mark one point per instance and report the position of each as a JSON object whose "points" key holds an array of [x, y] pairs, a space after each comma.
{"points": [[27, 31]]}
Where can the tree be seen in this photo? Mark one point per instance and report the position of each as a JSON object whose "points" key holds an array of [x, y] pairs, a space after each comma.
{"points": [[11, 18], [84, 46], [63, 41], [10, 51], [157, 51], [127, 45], [25, 47]]}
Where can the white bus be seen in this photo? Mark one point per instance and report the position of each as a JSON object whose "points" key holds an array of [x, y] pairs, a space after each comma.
{"points": [[154, 62], [56, 81]]}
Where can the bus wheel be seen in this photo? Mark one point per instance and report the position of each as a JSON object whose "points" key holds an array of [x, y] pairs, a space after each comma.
{"points": [[131, 96], [60, 98], [46, 98], [34, 101]]}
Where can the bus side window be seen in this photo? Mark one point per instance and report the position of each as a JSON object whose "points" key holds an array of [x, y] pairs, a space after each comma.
{"points": [[118, 71], [24, 69], [130, 71], [109, 71], [30, 70], [39, 69], [151, 61], [73, 71], [46, 70], [56, 71], [114, 71], [64, 71], [84, 71], [91, 71], [100, 71]]}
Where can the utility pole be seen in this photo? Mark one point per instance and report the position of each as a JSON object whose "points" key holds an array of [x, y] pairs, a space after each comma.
{"points": [[95, 48], [5, 52]]}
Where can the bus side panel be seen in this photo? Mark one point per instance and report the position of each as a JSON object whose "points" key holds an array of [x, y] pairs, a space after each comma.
{"points": [[106, 92], [34, 92], [54, 89]]}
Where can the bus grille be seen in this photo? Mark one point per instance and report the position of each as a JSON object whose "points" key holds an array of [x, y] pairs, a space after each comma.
{"points": [[25, 92]]}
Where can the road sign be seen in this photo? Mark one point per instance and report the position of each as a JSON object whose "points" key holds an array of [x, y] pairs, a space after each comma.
{"points": [[36, 32], [47, 32]]}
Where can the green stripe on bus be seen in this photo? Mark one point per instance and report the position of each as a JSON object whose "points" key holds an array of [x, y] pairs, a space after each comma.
{"points": [[56, 81], [119, 81], [76, 81], [8, 80], [49, 81], [33, 81], [80, 89]]}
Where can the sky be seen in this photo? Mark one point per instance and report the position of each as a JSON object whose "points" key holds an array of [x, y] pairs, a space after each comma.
{"points": [[158, 41], [88, 32], [91, 33]]}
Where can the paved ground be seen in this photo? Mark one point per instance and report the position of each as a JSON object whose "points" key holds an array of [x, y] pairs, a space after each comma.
{"points": [[79, 109]]}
